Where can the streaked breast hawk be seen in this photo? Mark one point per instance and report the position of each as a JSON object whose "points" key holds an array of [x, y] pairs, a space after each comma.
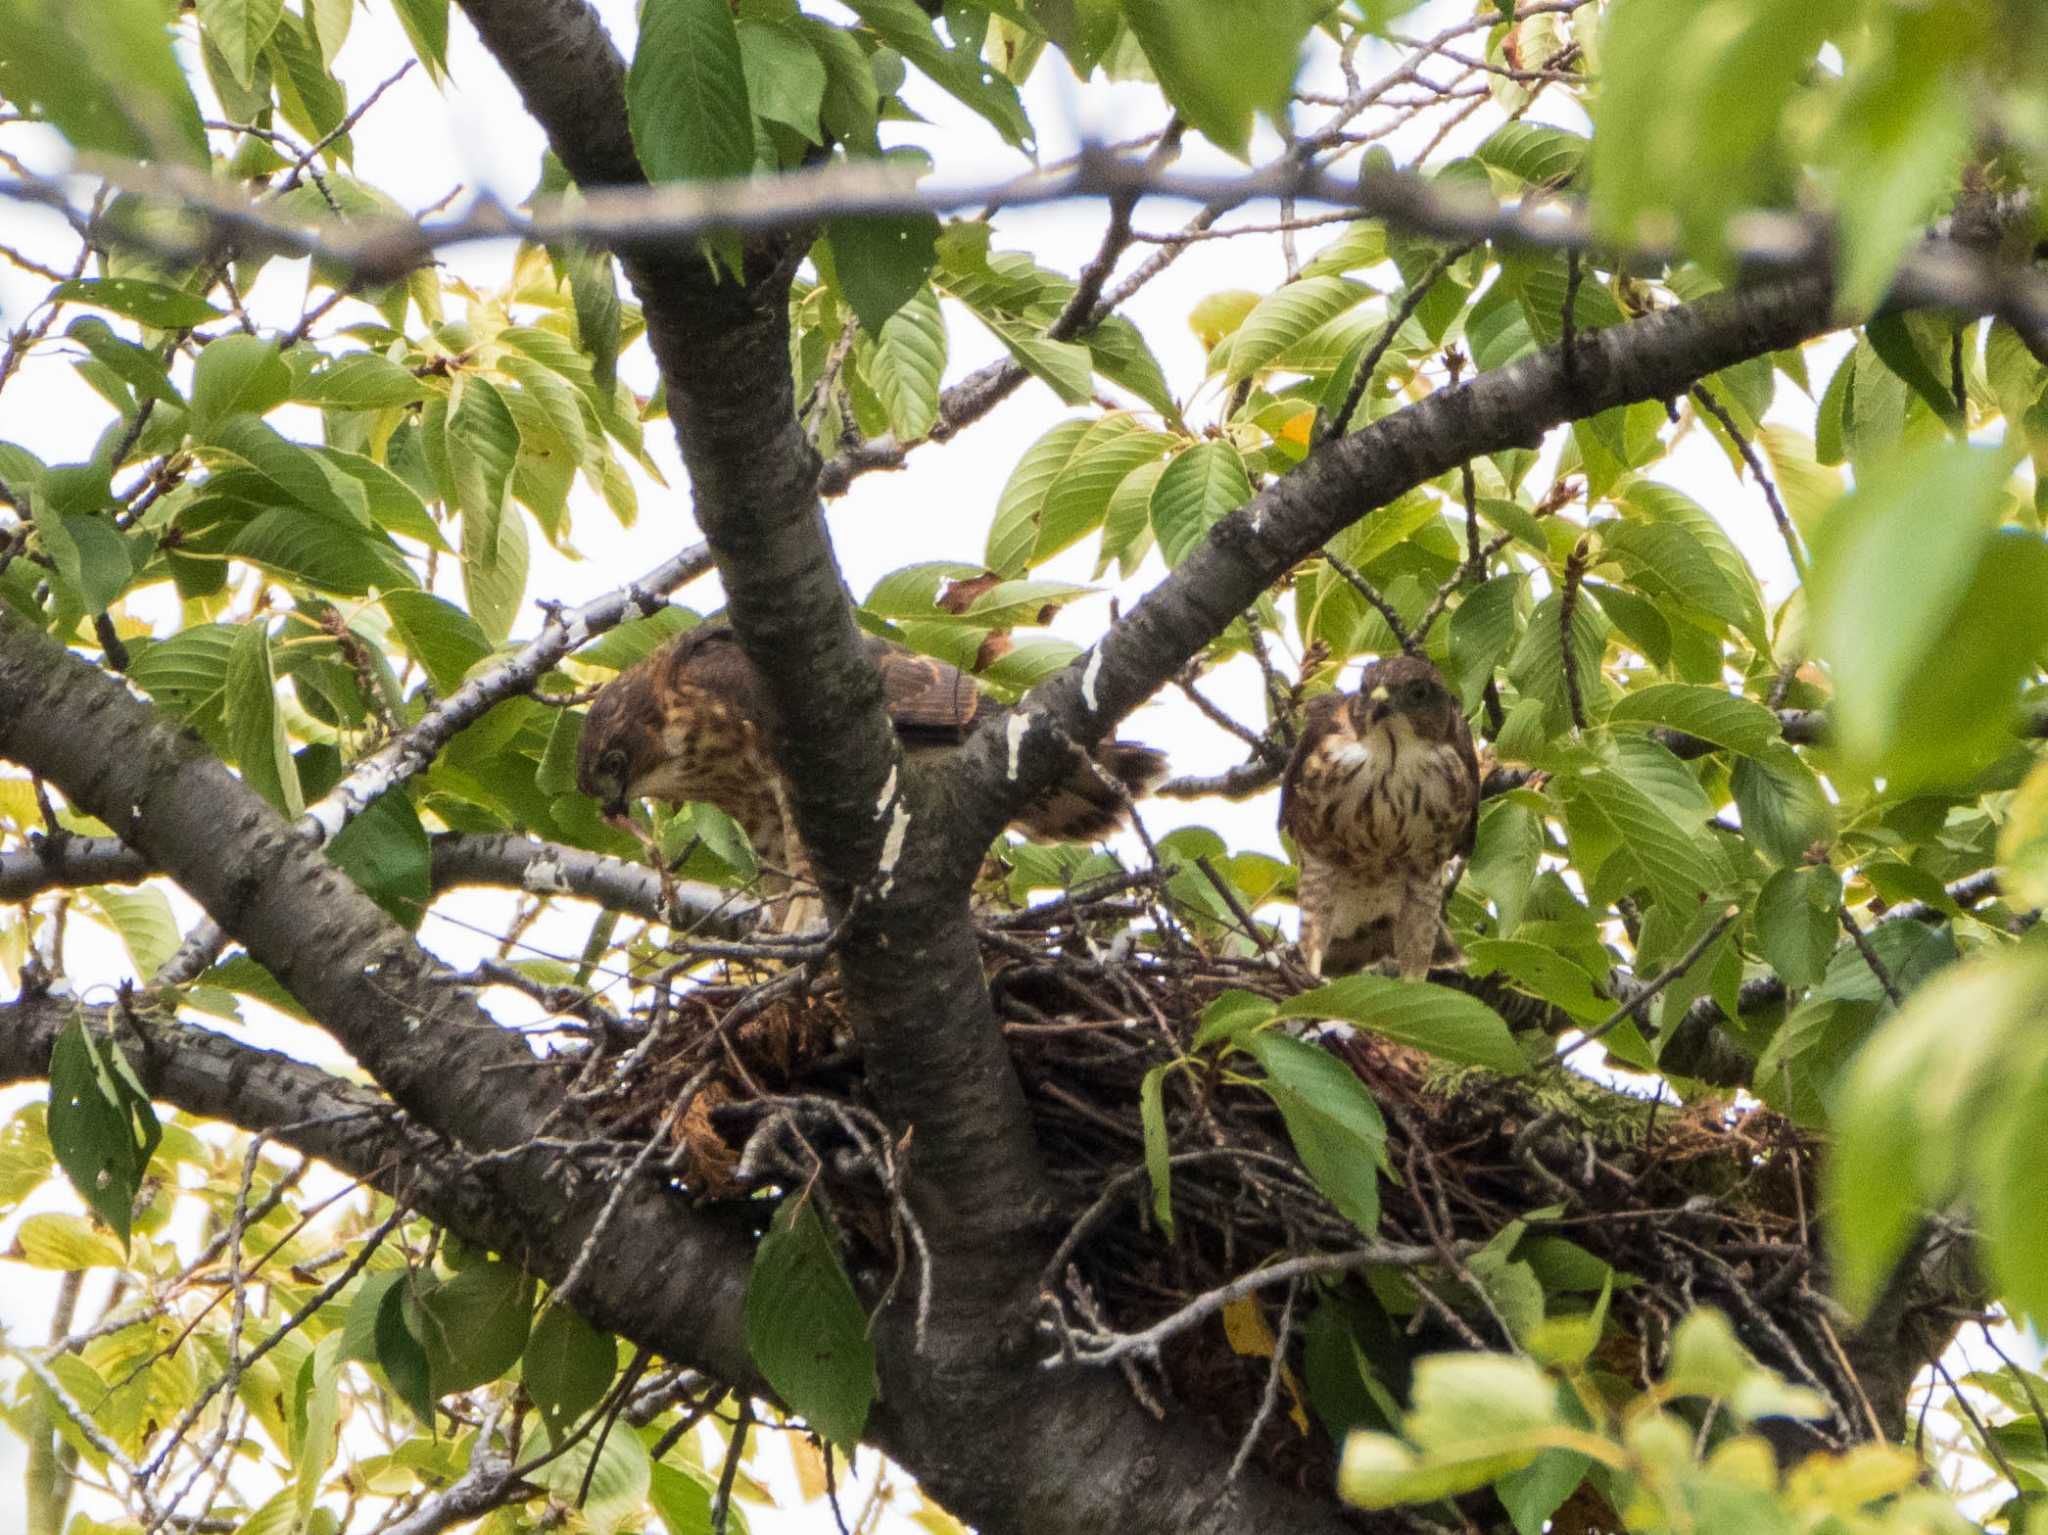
{"points": [[1382, 792], [693, 722]]}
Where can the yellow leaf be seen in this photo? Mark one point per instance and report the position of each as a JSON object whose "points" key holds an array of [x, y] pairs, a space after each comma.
{"points": [[1221, 313], [1244, 1324], [53, 1241]]}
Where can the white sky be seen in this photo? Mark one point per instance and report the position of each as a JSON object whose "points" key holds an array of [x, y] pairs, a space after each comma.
{"points": [[419, 143]]}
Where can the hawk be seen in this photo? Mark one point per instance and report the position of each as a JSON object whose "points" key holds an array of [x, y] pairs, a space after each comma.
{"points": [[693, 722], [1382, 792]]}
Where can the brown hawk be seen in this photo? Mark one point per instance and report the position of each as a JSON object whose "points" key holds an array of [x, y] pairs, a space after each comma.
{"points": [[1382, 792], [693, 722]]}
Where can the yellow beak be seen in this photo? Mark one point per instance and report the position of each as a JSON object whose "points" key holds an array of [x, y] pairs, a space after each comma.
{"points": [[1378, 695]]}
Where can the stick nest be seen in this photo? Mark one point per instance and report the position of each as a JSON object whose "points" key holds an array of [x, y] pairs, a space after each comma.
{"points": [[1501, 1199]]}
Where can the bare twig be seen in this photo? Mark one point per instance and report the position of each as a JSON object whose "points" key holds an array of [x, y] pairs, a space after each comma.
{"points": [[1648, 994]]}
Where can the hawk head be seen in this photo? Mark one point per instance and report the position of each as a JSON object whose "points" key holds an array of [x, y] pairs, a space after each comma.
{"points": [[1403, 692], [621, 741]]}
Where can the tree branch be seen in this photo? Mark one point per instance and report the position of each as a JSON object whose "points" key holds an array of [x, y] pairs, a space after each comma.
{"points": [[1654, 357], [617, 209], [934, 1052], [359, 975], [687, 1305], [504, 860]]}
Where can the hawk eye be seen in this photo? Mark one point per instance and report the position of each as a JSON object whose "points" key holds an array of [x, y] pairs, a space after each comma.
{"points": [[613, 764], [1417, 691]]}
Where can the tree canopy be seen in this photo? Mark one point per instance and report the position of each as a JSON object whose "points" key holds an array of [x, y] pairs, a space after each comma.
{"points": [[1670, 375]]}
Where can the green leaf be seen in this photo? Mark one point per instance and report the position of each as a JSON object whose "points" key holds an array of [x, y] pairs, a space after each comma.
{"points": [[143, 918], [1480, 631], [317, 1401], [187, 673], [439, 635], [1284, 317], [1892, 340], [1127, 520], [1785, 811], [1198, 490], [401, 1356], [1672, 859], [1541, 972], [1121, 355], [235, 374], [387, 852], [683, 1495], [606, 1477], [1448, 1024], [1158, 1147], [2023, 842], [1797, 925], [907, 362], [1533, 154], [239, 29], [50, 1240], [1066, 366], [476, 1325], [101, 1126], [334, 557], [904, 26], [686, 93], [360, 381], [726, 838], [881, 262], [566, 1367], [1332, 1120], [426, 26], [1232, 1016], [104, 75], [1078, 500], [805, 1326], [1712, 714], [153, 303], [1897, 143], [785, 76], [1013, 533], [90, 555], [1219, 61], [256, 729], [1921, 1104], [1926, 619], [138, 367]]}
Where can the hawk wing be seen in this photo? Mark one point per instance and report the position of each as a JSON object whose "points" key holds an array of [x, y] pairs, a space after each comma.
{"points": [[928, 701], [1321, 716]]}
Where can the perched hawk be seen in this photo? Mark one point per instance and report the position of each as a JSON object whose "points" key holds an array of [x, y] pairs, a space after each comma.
{"points": [[693, 722], [1382, 792]]}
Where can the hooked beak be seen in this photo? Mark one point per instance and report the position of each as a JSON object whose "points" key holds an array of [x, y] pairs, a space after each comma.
{"points": [[1379, 704], [617, 816]]}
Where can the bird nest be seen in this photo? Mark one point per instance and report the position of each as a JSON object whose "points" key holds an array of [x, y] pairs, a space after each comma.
{"points": [[1501, 1199]]}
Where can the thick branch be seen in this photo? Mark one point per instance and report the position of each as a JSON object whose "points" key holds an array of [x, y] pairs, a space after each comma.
{"points": [[691, 1311], [935, 1054], [356, 972]]}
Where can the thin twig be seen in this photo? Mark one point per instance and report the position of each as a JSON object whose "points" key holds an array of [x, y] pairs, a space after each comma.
{"points": [[1567, 610], [1786, 531], [1870, 957], [1641, 999]]}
